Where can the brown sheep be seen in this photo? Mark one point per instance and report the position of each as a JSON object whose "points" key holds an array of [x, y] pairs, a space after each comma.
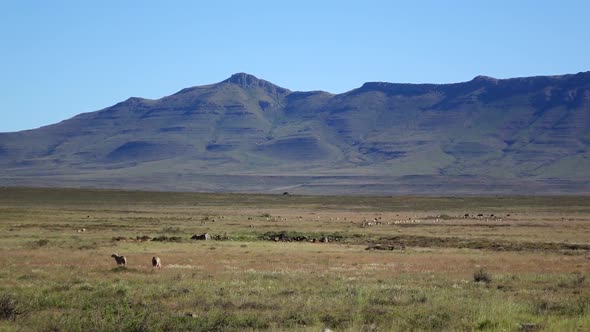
{"points": [[156, 262]]}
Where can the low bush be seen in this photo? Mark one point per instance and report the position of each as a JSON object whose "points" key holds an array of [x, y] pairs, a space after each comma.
{"points": [[9, 308], [482, 275], [165, 238], [40, 243]]}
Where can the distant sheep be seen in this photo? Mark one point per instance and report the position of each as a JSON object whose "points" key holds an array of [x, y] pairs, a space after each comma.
{"points": [[156, 262], [121, 260], [204, 236]]}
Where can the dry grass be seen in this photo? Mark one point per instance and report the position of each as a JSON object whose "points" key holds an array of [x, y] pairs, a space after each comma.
{"points": [[65, 280]]}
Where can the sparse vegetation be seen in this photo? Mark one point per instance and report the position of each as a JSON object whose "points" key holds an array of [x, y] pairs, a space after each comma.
{"points": [[40, 243], [416, 276], [482, 275], [165, 238], [294, 236], [578, 279], [9, 308], [171, 229]]}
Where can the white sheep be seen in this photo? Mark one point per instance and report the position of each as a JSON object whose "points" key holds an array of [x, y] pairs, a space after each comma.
{"points": [[156, 262], [121, 260]]}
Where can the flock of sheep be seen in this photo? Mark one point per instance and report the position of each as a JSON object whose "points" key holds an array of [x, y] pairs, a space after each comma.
{"points": [[122, 261]]}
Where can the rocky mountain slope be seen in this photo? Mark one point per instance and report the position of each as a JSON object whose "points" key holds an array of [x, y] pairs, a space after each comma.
{"points": [[520, 135]]}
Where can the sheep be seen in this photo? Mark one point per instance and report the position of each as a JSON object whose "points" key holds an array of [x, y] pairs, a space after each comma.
{"points": [[204, 236], [156, 262], [121, 260]]}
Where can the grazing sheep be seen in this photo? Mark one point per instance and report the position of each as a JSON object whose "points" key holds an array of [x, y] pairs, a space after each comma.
{"points": [[156, 262], [121, 260], [204, 236]]}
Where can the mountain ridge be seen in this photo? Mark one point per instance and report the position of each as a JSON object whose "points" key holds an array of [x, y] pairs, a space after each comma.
{"points": [[530, 131]]}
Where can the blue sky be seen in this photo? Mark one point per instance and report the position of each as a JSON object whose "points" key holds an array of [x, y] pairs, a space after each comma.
{"points": [[62, 58]]}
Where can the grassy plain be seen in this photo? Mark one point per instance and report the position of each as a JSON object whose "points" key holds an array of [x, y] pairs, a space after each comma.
{"points": [[534, 252]]}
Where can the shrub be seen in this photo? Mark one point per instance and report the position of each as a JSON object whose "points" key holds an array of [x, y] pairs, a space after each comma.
{"points": [[165, 238], [482, 275], [40, 243], [578, 279], [486, 324], [9, 308]]}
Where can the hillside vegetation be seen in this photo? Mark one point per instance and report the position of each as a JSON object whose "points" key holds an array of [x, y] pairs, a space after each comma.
{"points": [[245, 134]]}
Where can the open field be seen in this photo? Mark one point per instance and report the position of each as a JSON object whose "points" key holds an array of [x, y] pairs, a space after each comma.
{"points": [[261, 270]]}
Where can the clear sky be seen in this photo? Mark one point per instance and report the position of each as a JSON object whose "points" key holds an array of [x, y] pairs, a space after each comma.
{"points": [[62, 58]]}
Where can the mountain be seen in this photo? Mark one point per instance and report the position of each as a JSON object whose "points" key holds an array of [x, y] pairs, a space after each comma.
{"points": [[485, 136]]}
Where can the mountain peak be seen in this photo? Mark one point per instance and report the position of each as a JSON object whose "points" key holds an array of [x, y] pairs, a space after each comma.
{"points": [[243, 79], [485, 79]]}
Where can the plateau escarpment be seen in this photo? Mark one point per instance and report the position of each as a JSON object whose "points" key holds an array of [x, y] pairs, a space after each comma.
{"points": [[246, 134]]}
